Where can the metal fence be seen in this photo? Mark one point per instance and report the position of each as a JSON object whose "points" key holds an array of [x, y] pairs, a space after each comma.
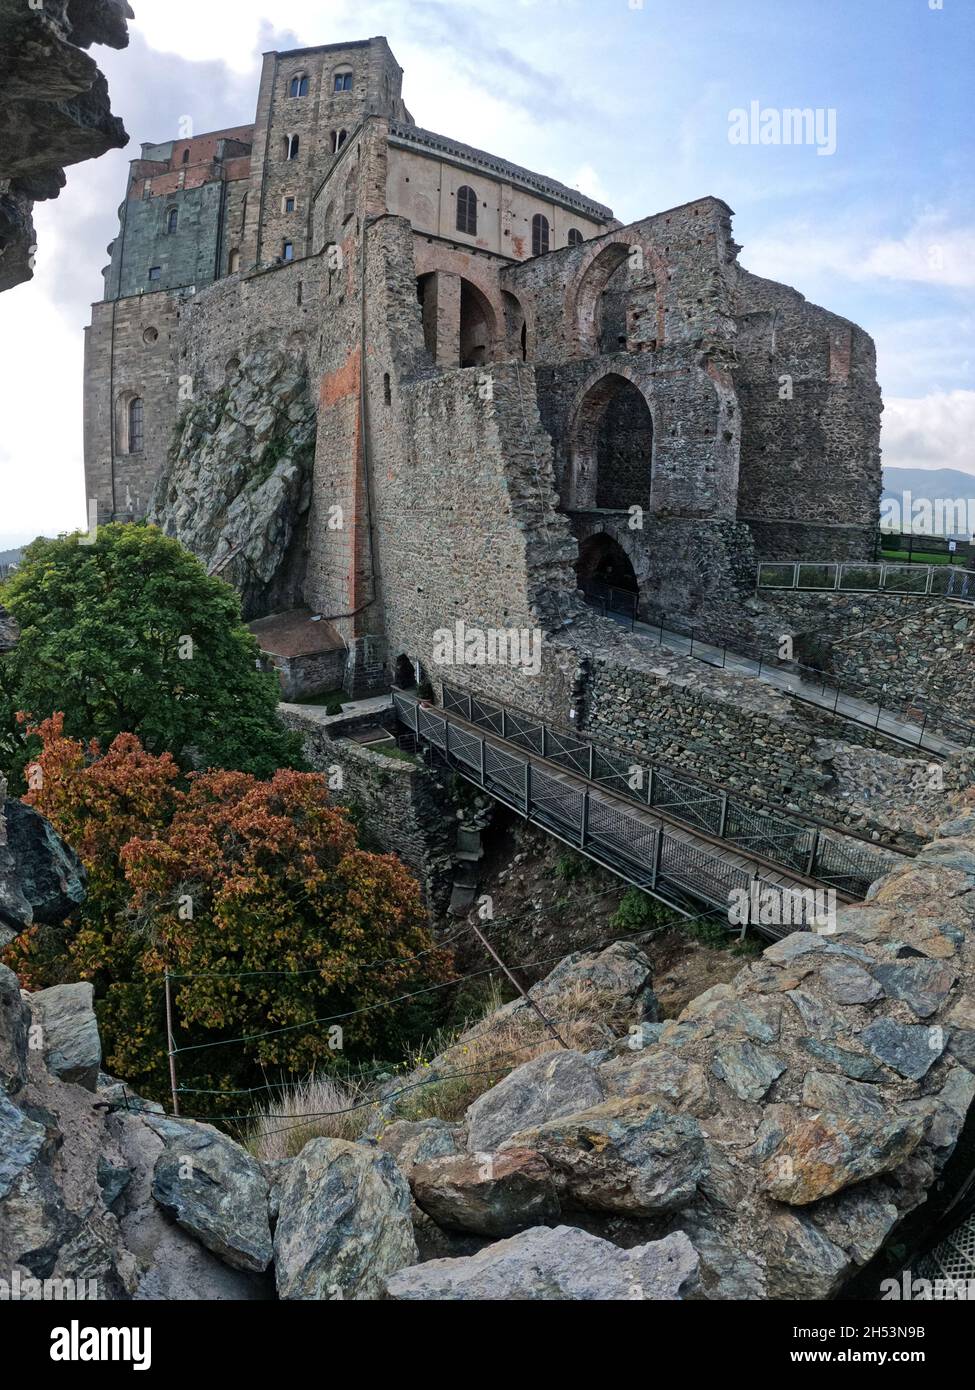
{"points": [[737, 821], [911, 712], [651, 858], [859, 577]]}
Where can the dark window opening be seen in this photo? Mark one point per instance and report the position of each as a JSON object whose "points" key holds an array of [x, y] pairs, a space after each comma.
{"points": [[172, 220], [604, 564], [289, 204], [155, 272], [575, 237], [186, 156], [136, 425], [540, 235], [343, 82], [288, 251], [299, 86], [387, 389], [291, 146], [467, 211]]}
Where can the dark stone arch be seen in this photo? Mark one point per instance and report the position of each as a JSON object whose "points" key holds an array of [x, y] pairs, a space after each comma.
{"points": [[612, 447], [604, 563]]}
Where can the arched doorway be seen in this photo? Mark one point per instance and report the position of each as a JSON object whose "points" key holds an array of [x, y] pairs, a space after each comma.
{"points": [[612, 447], [603, 565], [477, 326], [404, 675], [616, 302], [516, 328]]}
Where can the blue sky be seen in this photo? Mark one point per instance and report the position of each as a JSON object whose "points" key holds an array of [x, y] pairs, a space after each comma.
{"points": [[629, 102]]}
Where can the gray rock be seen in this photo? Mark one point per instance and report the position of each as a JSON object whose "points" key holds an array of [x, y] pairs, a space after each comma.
{"points": [[620, 972], [961, 1044], [112, 1181], [554, 1084], [552, 1265], [487, 1194], [622, 1156], [923, 985], [417, 1141], [852, 1064], [746, 1069], [72, 1048], [21, 1140], [658, 1073], [48, 872], [909, 1048], [848, 983], [14, 1021], [215, 1190], [823, 1091], [344, 1224]]}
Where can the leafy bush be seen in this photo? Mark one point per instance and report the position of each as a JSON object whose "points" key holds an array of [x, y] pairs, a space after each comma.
{"points": [[257, 899], [131, 635], [638, 912]]}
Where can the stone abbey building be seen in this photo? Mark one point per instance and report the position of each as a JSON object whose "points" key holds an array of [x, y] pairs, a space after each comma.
{"points": [[367, 371]]}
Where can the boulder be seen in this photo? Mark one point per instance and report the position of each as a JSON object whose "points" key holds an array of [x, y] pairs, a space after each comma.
{"points": [[554, 1084], [821, 1154], [622, 1156], [14, 1021], [660, 1074], [748, 1070], [908, 1048], [215, 1190], [923, 985], [68, 1032], [344, 1223], [487, 1194], [416, 1141], [621, 972], [552, 1265], [49, 873]]}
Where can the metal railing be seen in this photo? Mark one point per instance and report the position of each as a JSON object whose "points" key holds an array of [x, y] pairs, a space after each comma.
{"points": [[915, 713], [735, 820], [865, 577]]}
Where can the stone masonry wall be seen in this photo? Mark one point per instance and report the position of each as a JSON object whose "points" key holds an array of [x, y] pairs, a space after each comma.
{"points": [[402, 807]]}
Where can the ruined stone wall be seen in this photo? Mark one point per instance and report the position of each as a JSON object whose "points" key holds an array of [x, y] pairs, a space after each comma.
{"points": [[909, 648], [810, 407]]}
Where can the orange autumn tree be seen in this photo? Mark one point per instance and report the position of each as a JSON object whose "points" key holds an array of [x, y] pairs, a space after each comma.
{"points": [[256, 898]]}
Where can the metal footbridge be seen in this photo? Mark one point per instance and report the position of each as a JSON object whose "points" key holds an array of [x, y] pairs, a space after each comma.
{"points": [[678, 840]]}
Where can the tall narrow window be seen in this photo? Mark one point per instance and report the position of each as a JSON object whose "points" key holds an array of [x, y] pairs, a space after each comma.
{"points": [[172, 220], [186, 156], [288, 251], [234, 264], [299, 86], [291, 146], [136, 424], [575, 237], [540, 235], [343, 82], [467, 211], [339, 138], [289, 204]]}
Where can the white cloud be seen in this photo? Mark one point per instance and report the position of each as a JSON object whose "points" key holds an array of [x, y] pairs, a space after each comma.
{"points": [[931, 252], [934, 431]]}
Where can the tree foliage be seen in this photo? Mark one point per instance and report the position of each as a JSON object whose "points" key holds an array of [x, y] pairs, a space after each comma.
{"points": [[131, 635], [257, 899]]}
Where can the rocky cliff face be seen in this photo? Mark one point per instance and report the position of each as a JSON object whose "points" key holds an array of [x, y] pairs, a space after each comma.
{"points": [[54, 109], [238, 482]]}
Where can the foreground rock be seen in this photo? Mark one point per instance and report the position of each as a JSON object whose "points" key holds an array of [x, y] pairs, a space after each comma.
{"points": [[344, 1223], [54, 109], [487, 1194], [549, 1265], [67, 1030], [214, 1190], [557, 1083]]}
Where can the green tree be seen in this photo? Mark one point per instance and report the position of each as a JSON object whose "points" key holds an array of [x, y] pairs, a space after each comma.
{"points": [[131, 635]]}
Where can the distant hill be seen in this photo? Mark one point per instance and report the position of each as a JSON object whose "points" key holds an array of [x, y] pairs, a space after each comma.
{"points": [[10, 557], [935, 486]]}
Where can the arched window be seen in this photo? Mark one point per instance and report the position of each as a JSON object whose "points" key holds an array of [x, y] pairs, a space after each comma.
{"points": [[291, 146], [172, 220], [136, 425], [339, 138], [575, 237], [287, 251], [540, 235], [467, 211], [343, 80], [234, 264], [299, 86]]}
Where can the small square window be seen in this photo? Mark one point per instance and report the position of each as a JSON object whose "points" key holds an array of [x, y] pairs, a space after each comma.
{"points": [[155, 272]]}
